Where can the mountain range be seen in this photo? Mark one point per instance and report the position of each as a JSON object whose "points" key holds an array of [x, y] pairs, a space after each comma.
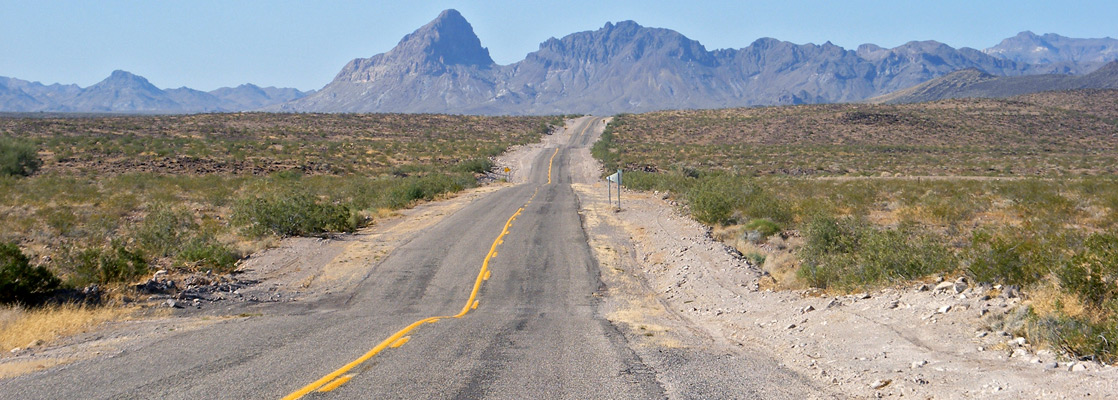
{"points": [[442, 67], [625, 67], [976, 83], [124, 92]]}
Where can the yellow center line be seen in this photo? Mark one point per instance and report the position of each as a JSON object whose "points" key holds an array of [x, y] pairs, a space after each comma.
{"points": [[550, 163], [334, 379], [334, 385]]}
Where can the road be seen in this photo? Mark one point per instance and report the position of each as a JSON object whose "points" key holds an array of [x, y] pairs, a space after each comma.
{"points": [[534, 332], [500, 299]]}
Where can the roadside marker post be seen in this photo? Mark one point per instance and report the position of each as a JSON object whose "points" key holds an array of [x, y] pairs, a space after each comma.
{"points": [[508, 174], [615, 178]]}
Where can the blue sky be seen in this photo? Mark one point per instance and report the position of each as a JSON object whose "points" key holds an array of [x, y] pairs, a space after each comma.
{"points": [[302, 44]]}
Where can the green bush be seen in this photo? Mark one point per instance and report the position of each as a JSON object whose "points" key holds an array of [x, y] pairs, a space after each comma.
{"points": [[476, 165], [1083, 339], [763, 226], [410, 189], [19, 281], [1092, 273], [18, 158], [115, 263], [290, 214], [850, 254], [206, 252], [712, 200], [164, 230], [1007, 258]]}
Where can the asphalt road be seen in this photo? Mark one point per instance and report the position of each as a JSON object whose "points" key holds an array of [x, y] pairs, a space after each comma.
{"points": [[535, 331], [499, 300]]}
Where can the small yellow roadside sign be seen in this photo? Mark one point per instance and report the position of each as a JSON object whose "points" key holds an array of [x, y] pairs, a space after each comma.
{"points": [[506, 170]]}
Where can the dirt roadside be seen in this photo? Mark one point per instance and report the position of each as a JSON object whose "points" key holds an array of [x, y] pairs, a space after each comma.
{"points": [[917, 341]]}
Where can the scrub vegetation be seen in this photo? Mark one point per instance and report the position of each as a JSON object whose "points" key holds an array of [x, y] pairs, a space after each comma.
{"points": [[109, 200], [1019, 194]]}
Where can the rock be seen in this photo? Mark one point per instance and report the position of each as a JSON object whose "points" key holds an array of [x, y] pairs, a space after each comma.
{"points": [[833, 303], [160, 272], [862, 296], [918, 364], [923, 287], [791, 326], [893, 304], [171, 303], [1077, 367], [943, 309], [880, 383], [959, 287], [1011, 292], [944, 286], [1020, 341], [15, 350], [981, 334], [807, 309], [34, 343], [1019, 352], [1052, 365]]}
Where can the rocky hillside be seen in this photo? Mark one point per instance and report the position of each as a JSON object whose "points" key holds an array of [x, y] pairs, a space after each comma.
{"points": [[626, 67], [124, 92], [1063, 54], [975, 83]]}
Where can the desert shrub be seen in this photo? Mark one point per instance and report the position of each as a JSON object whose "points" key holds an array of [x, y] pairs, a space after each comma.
{"points": [[18, 158], [205, 252], [290, 214], [1092, 272], [764, 226], [1083, 338], [164, 230], [115, 263], [1006, 258], [755, 258], [604, 150], [712, 199], [406, 191], [664, 182], [758, 203], [476, 165], [19, 281], [848, 253]]}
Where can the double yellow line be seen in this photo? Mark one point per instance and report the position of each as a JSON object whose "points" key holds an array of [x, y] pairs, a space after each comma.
{"points": [[340, 376]]}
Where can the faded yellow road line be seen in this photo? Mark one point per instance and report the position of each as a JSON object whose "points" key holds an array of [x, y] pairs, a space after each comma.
{"points": [[551, 163], [335, 379]]}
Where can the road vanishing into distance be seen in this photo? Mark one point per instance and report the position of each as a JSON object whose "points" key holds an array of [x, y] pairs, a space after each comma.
{"points": [[497, 300]]}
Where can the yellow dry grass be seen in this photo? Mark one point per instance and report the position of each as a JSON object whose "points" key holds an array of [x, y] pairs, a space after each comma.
{"points": [[20, 327], [1049, 299]]}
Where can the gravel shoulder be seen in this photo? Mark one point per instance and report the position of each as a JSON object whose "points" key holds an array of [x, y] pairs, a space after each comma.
{"points": [[898, 342]]}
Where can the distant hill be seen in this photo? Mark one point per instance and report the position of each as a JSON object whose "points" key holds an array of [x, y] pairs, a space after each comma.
{"points": [[1062, 54], [974, 83], [124, 92], [625, 67]]}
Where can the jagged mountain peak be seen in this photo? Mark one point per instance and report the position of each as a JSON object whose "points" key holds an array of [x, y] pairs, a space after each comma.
{"points": [[448, 39], [121, 79], [625, 40]]}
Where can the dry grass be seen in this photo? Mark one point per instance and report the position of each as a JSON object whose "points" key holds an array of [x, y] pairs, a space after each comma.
{"points": [[20, 328]]}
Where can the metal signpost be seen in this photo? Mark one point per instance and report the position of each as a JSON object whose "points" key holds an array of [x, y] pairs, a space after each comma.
{"points": [[616, 178]]}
